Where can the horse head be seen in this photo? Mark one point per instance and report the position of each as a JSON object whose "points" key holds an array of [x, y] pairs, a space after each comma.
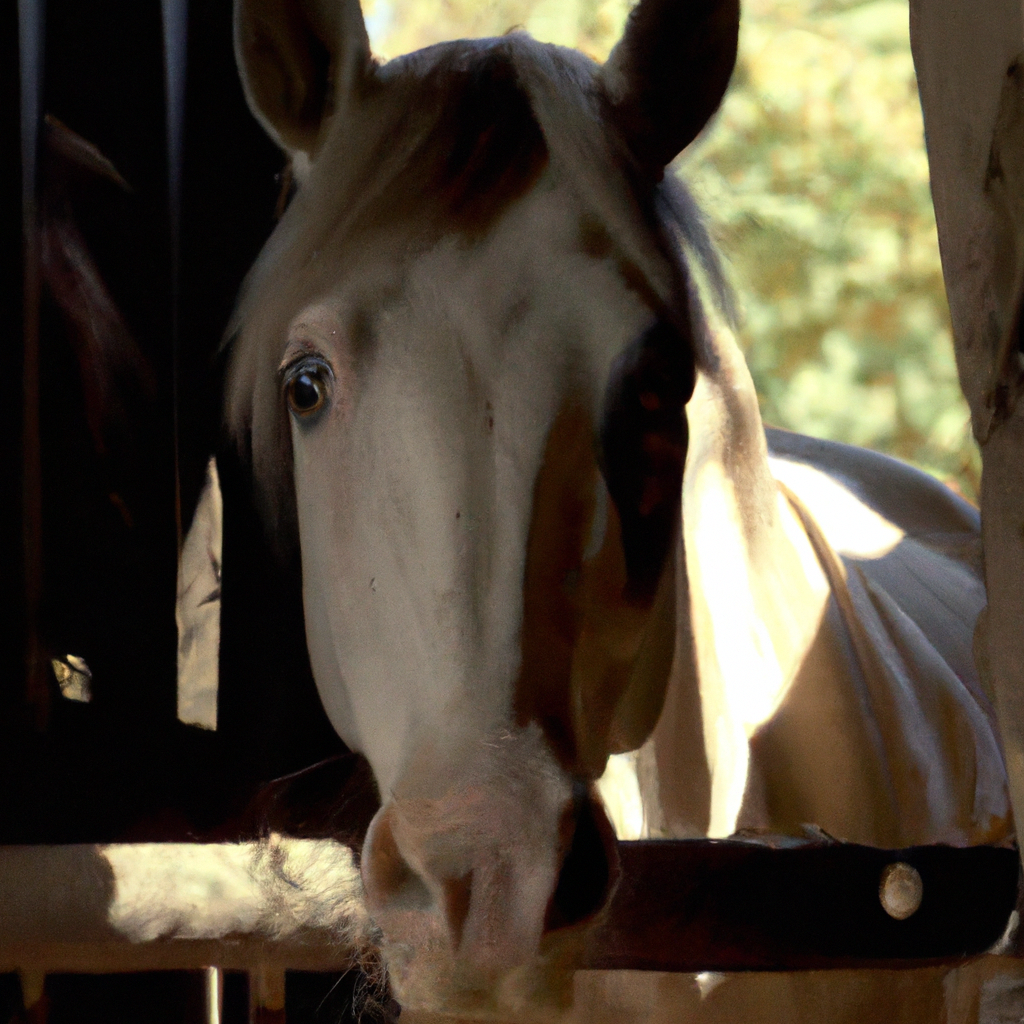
{"points": [[460, 367]]}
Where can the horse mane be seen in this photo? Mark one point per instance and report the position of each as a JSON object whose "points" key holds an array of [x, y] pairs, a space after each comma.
{"points": [[457, 132]]}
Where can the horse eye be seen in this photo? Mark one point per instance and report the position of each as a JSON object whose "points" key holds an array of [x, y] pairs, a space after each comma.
{"points": [[306, 386]]}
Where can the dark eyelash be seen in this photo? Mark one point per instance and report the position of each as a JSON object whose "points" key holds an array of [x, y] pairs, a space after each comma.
{"points": [[306, 360]]}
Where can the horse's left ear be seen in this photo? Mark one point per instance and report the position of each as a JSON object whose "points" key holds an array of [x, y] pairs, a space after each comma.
{"points": [[299, 61], [668, 74]]}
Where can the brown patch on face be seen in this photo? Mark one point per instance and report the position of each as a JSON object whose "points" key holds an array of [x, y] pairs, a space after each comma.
{"points": [[643, 448], [583, 626], [637, 281], [595, 240]]}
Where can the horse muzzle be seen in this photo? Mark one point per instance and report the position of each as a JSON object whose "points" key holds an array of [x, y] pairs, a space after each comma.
{"points": [[473, 885]]}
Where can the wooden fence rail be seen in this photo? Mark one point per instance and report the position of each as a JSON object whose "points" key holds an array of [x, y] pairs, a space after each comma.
{"points": [[278, 904], [283, 903]]}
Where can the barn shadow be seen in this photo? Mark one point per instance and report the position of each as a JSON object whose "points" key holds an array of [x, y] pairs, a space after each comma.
{"points": [[120, 766]]}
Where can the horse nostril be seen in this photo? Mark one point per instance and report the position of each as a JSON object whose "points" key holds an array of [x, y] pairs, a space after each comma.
{"points": [[458, 893], [590, 866], [388, 878]]}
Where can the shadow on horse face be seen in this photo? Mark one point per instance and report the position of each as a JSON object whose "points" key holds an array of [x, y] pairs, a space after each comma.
{"points": [[462, 364]]}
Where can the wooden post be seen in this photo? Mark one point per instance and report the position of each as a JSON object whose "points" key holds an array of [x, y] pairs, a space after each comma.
{"points": [[969, 58], [266, 995]]}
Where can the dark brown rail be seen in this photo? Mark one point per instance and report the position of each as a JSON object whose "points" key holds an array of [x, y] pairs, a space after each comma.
{"points": [[725, 905], [679, 906]]}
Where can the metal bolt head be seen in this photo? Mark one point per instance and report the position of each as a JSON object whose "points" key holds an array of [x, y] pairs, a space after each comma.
{"points": [[900, 890]]}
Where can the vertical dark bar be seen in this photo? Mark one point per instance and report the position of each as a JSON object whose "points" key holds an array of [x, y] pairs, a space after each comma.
{"points": [[175, 26], [235, 1001], [31, 19]]}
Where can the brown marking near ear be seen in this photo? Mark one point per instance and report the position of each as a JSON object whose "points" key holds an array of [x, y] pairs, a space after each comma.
{"points": [[582, 630], [636, 280], [595, 241]]}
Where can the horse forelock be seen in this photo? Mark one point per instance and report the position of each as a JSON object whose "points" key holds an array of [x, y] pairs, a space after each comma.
{"points": [[445, 139]]}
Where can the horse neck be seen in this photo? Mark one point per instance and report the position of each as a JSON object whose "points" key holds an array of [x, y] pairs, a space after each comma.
{"points": [[750, 596], [801, 691]]}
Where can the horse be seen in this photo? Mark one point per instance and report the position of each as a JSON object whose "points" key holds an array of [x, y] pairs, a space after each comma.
{"points": [[558, 580]]}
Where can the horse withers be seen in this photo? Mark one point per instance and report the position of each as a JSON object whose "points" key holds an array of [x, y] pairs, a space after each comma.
{"points": [[462, 368]]}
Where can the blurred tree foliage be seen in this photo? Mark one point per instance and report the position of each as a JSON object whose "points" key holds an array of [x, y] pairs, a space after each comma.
{"points": [[814, 180]]}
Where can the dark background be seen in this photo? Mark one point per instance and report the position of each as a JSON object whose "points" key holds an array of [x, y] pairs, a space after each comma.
{"points": [[122, 766]]}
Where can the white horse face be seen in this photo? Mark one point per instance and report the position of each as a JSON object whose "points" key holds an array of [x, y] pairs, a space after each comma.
{"points": [[480, 382], [433, 417]]}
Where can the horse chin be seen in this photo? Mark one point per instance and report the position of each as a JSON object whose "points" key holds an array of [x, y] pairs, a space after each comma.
{"points": [[485, 977], [427, 979]]}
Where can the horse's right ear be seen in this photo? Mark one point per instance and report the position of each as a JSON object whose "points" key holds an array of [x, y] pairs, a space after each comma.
{"points": [[300, 60], [668, 74]]}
